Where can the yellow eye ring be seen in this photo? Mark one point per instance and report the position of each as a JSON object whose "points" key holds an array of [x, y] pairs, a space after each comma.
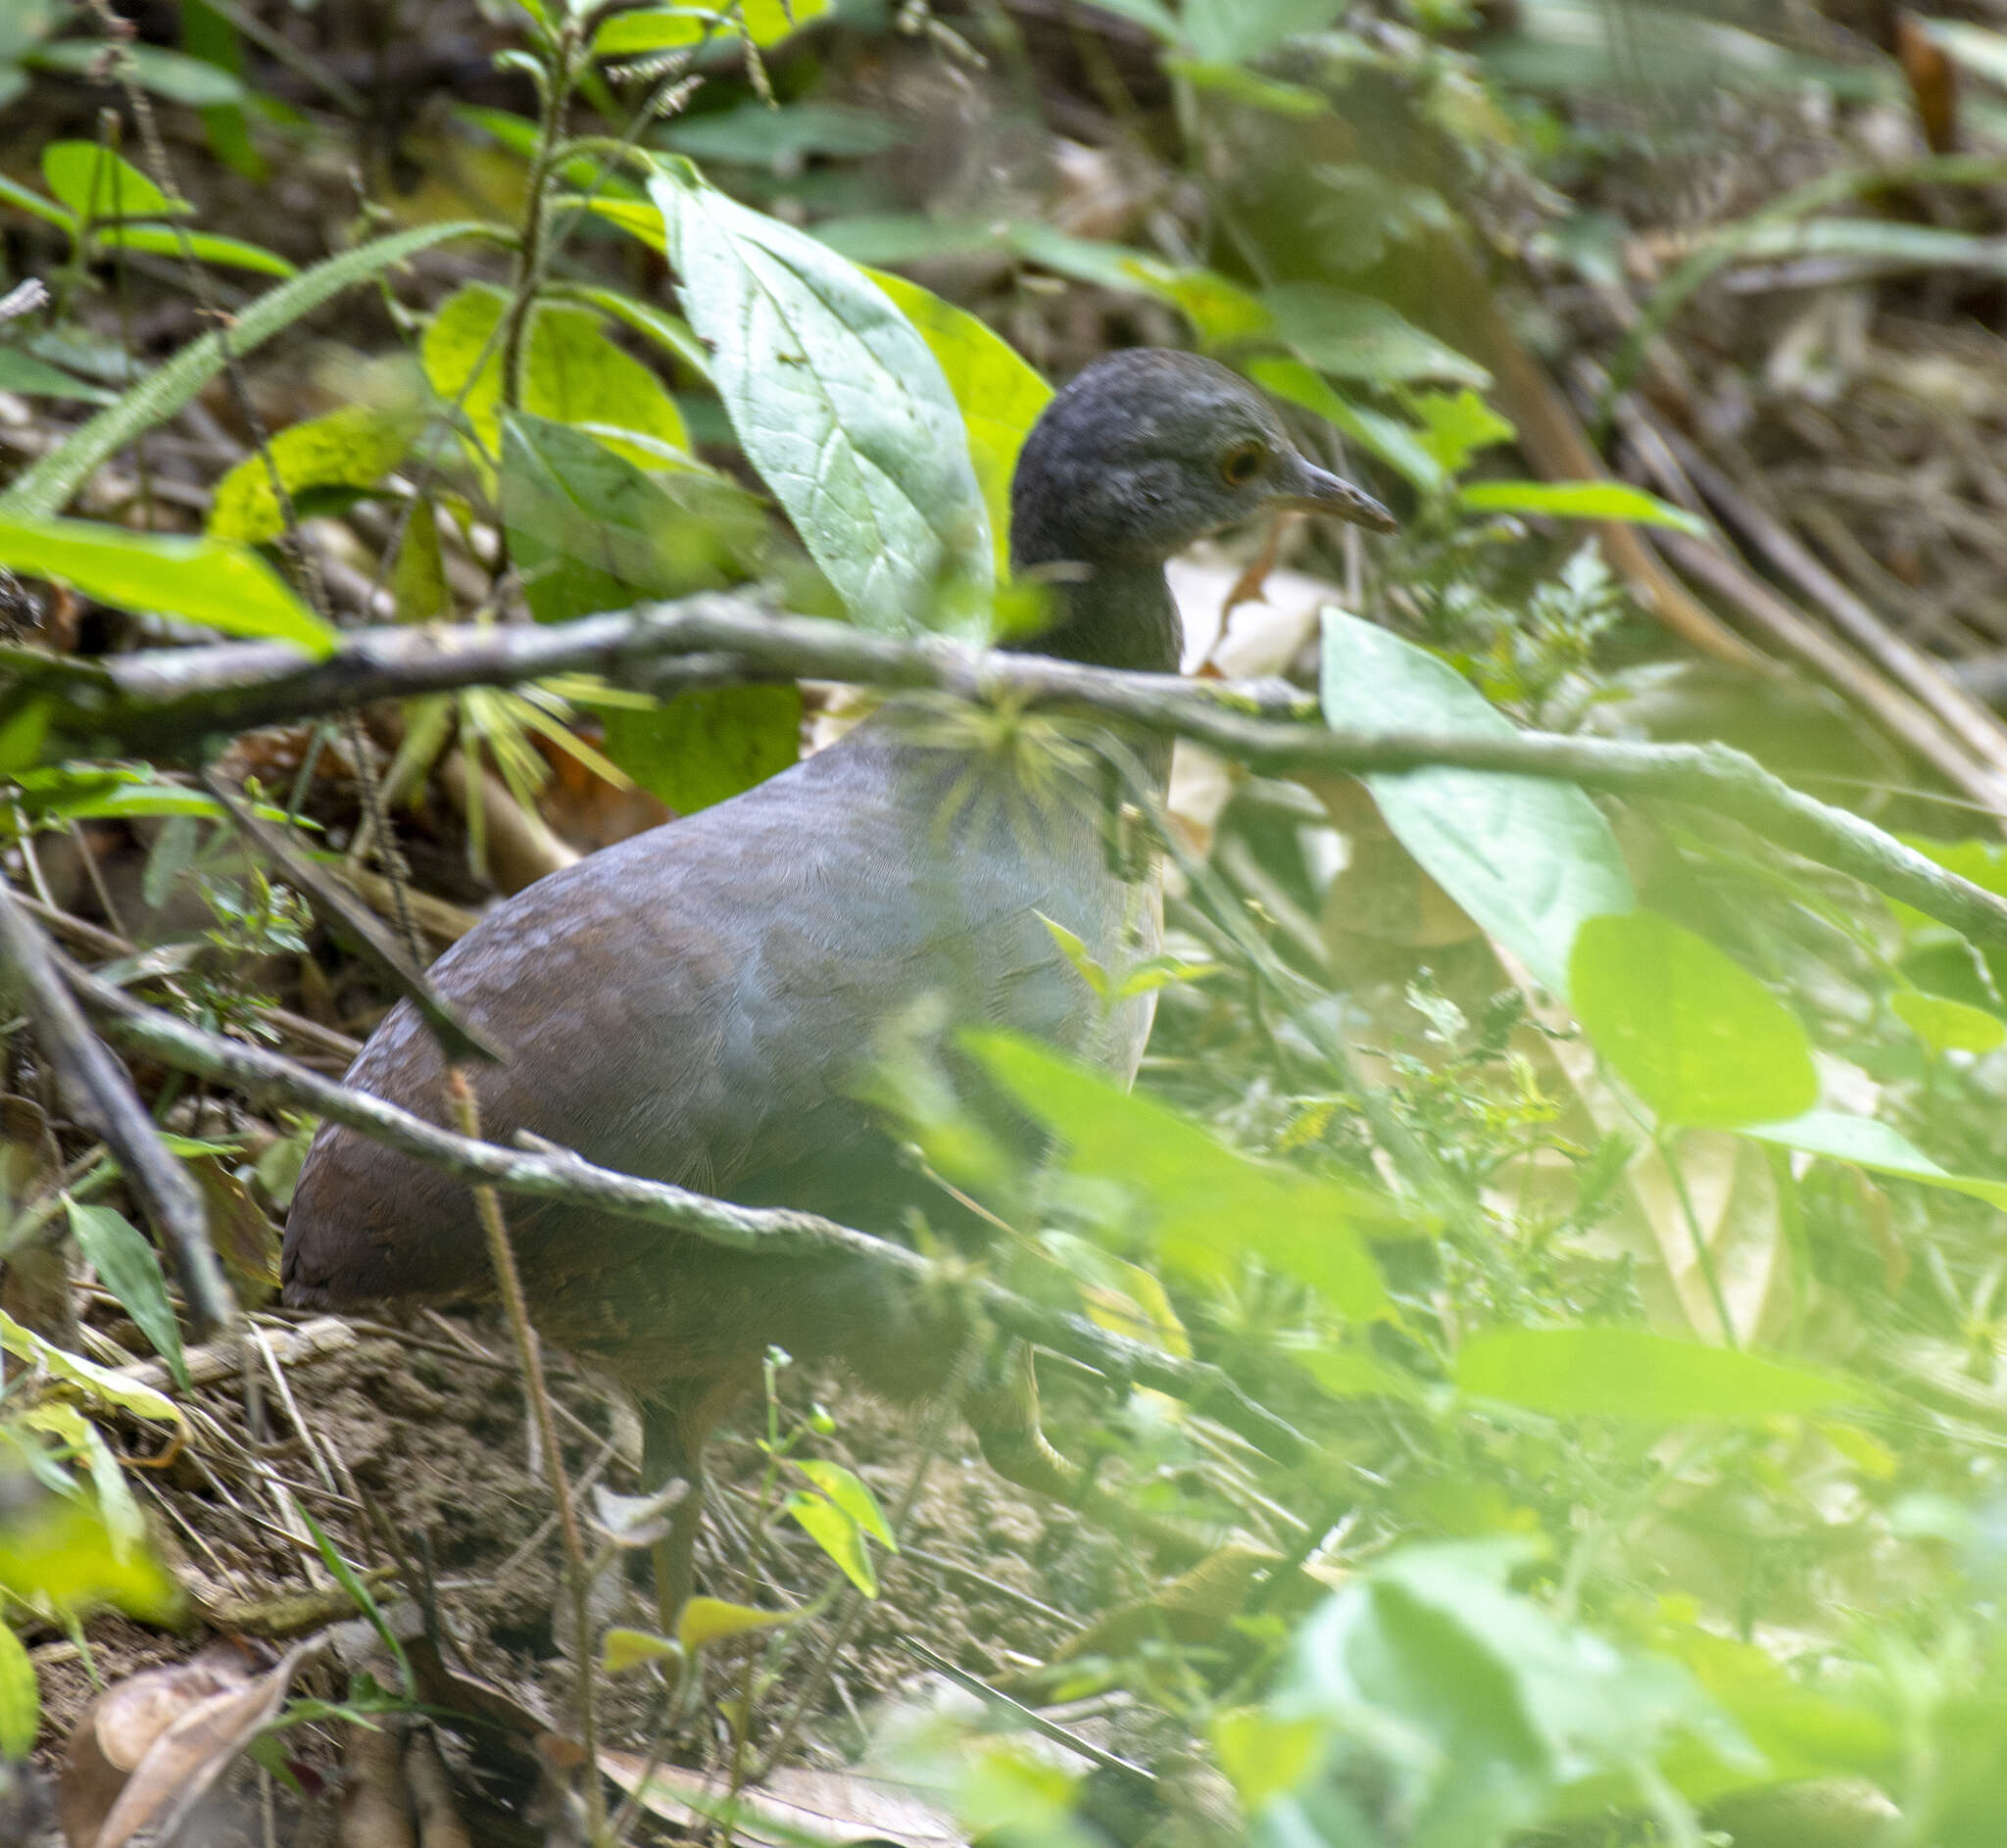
{"points": [[1242, 464]]}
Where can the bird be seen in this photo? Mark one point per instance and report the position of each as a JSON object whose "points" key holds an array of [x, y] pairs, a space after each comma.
{"points": [[699, 1002]]}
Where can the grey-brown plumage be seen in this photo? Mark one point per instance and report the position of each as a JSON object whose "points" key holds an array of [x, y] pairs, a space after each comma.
{"points": [[699, 1003]]}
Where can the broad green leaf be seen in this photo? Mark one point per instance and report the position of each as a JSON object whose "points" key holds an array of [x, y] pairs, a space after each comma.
{"points": [[851, 1493], [1208, 1205], [706, 746], [1873, 1146], [756, 132], [1529, 859], [353, 447], [55, 1551], [838, 1534], [214, 582], [124, 1525], [96, 184], [1947, 1026], [1695, 1035], [191, 80], [1359, 336], [1580, 500], [99, 1384], [669, 28], [1220, 311], [1634, 1374], [171, 387], [589, 531], [1264, 1755], [705, 1621], [573, 373], [1000, 395], [837, 401], [131, 1268], [1483, 1708], [1398, 445], [1236, 31], [24, 372], [622, 1649], [1457, 426], [20, 1700], [233, 252]]}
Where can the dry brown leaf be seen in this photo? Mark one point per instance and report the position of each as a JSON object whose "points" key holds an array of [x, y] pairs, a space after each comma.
{"points": [[180, 1730], [835, 1806]]}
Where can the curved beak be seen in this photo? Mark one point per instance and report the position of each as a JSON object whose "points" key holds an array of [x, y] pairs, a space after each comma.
{"points": [[1316, 490]]}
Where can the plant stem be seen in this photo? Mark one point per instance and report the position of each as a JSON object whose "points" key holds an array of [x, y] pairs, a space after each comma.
{"points": [[509, 1281]]}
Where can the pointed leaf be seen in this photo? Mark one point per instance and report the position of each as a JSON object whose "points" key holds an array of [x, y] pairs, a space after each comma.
{"points": [[850, 1492], [353, 447], [1634, 1374], [836, 401], [837, 1536], [1695, 1035], [131, 1268], [1529, 859], [20, 1700], [96, 184], [705, 1621], [207, 581]]}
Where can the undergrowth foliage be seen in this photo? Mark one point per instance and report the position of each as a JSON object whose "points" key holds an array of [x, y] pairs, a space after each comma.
{"points": [[1607, 1193]]}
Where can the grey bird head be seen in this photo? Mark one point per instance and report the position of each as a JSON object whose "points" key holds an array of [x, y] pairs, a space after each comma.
{"points": [[1149, 450]]}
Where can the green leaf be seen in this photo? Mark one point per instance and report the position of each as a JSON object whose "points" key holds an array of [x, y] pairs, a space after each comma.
{"points": [[851, 1494], [1481, 1706], [1873, 1146], [709, 745], [1397, 444], [23, 199], [364, 1599], [1634, 1374], [24, 372], [204, 246], [96, 184], [353, 447], [1947, 1026], [756, 132], [669, 28], [169, 388], [705, 1621], [1237, 31], [837, 401], [1209, 1208], [622, 1649], [671, 332], [101, 1385], [573, 373], [838, 1534], [57, 1552], [1580, 500], [20, 1700], [589, 531], [1264, 1755], [1359, 336], [1529, 859], [1000, 395], [129, 1267], [1237, 84], [1457, 426], [1695, 1035], [209, 581], [167, 73]]}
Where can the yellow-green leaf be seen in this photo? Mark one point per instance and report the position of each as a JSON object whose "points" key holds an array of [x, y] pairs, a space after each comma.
{"points": [[21, 1700], [705, 1621], [214, 582], [353, 447]]}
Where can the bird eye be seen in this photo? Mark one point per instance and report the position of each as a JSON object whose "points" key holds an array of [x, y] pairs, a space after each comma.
{"points": [[1242, 464]]}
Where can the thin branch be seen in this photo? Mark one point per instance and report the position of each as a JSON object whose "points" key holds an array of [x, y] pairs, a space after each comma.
{"points": [[557, 1174], [167, 700], [100, 1090]]}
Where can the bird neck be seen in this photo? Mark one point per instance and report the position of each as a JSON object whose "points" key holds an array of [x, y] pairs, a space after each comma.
{"points": [[1118, 614]]}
